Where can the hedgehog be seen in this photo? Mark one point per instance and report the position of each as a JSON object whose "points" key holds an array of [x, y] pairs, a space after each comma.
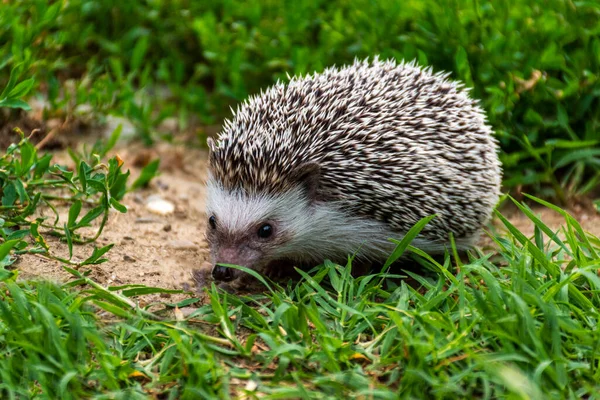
{"points": [[337, 163]]}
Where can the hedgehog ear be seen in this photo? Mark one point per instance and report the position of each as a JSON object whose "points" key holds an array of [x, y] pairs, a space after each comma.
{"points": [[307, 176]]}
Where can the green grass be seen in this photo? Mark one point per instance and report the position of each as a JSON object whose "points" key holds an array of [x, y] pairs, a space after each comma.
{"points": [[519, 324], [533, 64]]}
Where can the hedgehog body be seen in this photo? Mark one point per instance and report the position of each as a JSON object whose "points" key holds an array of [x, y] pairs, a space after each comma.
{"points": [[339, 162]]}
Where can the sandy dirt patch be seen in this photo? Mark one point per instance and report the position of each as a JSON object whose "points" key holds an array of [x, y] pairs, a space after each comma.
{"points": [[149, 249]]}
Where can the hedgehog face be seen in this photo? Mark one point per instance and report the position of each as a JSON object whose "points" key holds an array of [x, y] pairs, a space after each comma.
{"points": [[255, 230]]}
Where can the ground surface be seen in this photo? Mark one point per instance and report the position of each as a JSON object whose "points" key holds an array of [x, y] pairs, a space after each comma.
{"points": [[164, 250], [150, 248]]}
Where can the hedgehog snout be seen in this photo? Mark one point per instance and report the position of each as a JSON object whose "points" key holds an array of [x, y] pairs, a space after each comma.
{"points": [[221, 273], [242, 256]]}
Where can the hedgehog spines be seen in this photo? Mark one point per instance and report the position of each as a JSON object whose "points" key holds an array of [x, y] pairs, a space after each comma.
{"points": [[394, 142]]}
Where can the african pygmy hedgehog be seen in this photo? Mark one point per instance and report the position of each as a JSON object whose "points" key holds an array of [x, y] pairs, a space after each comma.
{"points": [[339, 162]]}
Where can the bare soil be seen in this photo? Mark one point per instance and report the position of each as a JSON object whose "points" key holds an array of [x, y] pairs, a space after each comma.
{"points": [[149, 248], [164, 250]]}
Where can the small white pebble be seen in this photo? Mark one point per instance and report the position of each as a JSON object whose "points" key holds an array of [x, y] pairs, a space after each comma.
{"points": [[160, 206], [182, 245], [251, 386]]}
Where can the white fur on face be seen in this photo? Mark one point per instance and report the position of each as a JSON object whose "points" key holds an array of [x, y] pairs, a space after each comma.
{"points": [[316, 231], [236, 211]]}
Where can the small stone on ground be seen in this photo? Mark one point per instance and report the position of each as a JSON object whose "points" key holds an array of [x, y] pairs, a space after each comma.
{"points": [[182, 245]]}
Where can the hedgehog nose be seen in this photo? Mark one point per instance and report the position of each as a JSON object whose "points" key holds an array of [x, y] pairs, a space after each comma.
{"points": [[221, 273]]}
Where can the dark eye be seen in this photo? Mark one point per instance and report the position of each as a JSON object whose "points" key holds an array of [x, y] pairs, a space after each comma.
{"points": [[265, 231], [212, 221]]}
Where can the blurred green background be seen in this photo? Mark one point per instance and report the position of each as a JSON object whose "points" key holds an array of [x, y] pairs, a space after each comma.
{"points": [[534, 65]]}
